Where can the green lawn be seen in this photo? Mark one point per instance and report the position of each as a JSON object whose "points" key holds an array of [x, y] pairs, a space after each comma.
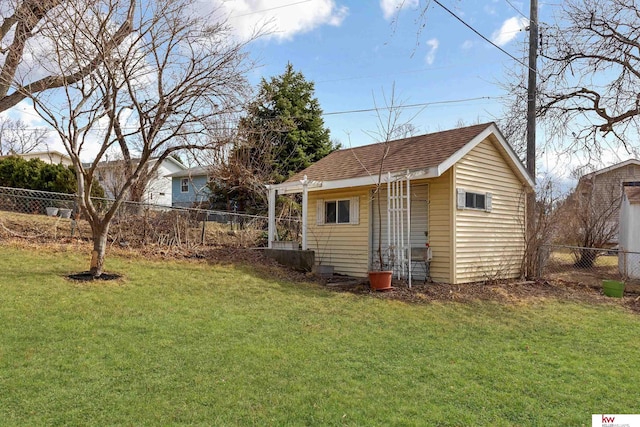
{"points": [[192, 343]]}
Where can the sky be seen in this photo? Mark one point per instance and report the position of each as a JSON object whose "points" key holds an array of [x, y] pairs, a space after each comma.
{"points": [[357, 51]]}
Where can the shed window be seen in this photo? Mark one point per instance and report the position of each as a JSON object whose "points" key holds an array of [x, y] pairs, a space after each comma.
{"points": [[338, 211], [472, 200], [184, 185]]}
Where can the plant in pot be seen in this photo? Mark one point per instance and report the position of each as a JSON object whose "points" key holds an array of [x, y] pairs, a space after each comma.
{"points": [[388, 129]]}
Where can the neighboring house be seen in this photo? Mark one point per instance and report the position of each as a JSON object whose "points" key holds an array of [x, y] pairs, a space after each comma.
{"points": [[462, 191], [159, 187], [629, 237], [601, 192], [190, 187], [52, 157]]}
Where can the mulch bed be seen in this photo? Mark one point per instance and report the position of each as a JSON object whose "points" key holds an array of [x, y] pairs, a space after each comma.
{"points": [[507, 292], [85, 276]]}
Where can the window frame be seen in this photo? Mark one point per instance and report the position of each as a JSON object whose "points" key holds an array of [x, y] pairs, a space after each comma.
{"points": [[352, 205], [462, 200], [183, 186], [338, 203], [475, 198]]}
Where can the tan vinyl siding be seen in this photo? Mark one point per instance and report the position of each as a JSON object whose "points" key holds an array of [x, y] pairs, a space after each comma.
{"points": [[345, 246], [440, 226], [489, 245]]}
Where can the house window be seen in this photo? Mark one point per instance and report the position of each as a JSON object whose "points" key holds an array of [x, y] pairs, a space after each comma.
{"points": [[338, 211], [473, 200], [184, 185]]}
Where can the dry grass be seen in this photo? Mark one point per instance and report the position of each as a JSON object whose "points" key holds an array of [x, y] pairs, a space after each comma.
{"points": [[165, 229]]}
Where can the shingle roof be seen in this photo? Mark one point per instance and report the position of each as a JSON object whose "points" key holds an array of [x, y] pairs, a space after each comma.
{"points": [[409, 153]]}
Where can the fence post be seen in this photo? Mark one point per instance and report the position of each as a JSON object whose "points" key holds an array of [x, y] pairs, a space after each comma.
{"points": [[204, 218], [272, 216]]}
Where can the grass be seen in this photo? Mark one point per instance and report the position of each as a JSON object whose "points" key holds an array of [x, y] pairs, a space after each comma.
{"points": [[192, 343]]}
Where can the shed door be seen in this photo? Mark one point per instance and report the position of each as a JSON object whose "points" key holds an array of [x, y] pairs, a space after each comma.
{"points": [[419, 224]]}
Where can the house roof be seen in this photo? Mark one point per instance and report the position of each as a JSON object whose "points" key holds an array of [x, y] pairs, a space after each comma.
{"points": [[152, 160], [424, 156], [612, 167], [191, 172], [39, 154]]}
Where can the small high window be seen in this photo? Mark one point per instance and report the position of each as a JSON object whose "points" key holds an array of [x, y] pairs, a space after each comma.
{"points": [[184, 185], [474, 201]]}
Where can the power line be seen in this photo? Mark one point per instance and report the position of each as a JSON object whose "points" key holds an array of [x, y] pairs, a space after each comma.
{"points": [[480, 34], [271, 8], [423, 104], [336, 113], [516, 9]]}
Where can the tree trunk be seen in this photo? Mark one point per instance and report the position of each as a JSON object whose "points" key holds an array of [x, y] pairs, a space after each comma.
{"points": [[98, 253]]}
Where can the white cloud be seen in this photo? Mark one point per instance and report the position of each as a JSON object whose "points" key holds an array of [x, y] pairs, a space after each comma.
{"points": [[467, 44], [25, 112], [391, 7], [509, 30], [433, 48], [280, 19]]}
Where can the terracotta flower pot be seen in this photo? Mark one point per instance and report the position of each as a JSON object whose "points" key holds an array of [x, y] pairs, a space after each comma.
{"points": [[380, 280]]}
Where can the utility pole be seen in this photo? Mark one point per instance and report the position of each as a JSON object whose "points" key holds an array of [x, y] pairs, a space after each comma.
{"points": [[531, 89], [531, 131]]}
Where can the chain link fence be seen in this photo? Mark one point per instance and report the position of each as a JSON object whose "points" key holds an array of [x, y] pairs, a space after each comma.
{"points": [[135, 224], [589, 265]]}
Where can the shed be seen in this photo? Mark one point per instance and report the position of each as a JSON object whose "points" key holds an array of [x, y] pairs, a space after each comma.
{"points": [[460, 191], [629, 234]]}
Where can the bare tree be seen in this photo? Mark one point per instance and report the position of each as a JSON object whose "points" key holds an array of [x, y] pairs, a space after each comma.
{"points": [[22, 38], [16, 137], [589, 74], [164, 89], [242, 174], [546, 224], [590, 218], [390, 126]]}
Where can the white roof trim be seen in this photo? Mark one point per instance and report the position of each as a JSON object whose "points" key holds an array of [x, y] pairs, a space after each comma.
{"points": [[296, 187]]}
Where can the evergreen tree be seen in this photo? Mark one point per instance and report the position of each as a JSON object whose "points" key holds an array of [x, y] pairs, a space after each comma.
{"points": [[36, 174], [282, 134], [287, 118]]}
